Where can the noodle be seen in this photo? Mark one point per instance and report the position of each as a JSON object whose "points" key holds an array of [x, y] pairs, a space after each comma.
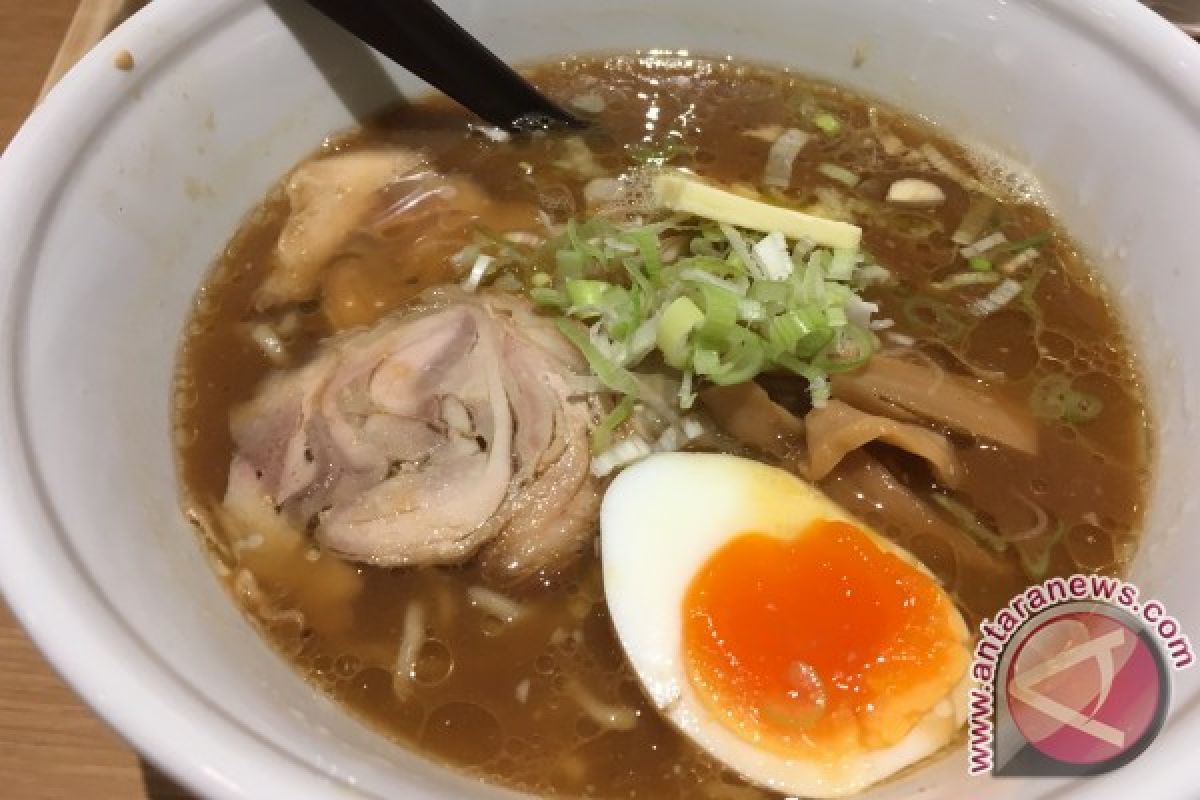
{"points": [[495, 604], [608, 717], [411, 641]]}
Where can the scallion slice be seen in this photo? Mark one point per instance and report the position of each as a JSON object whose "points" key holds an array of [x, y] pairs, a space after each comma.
{"points": [[583, 292], [961, 279], [827, 123], [675, 326], [1055, 398], [839, 174], [849, 349], [549, 298], [1036, 240], [773, 258], [979, 213], [602, 434], [726, 304], [720, 313], [968, 522], [612, 375]]}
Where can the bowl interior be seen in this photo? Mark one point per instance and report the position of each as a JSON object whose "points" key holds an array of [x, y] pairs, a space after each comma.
{"points": [[122, 189]]}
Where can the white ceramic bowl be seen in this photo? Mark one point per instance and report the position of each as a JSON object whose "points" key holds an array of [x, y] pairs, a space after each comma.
{"points": [[121, 189]]}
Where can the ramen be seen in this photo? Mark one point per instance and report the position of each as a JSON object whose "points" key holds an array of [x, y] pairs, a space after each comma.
{"points": [[410, 381]]}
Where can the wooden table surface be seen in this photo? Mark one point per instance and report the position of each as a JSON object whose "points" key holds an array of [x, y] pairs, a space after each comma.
{"points": [[51, 745]]}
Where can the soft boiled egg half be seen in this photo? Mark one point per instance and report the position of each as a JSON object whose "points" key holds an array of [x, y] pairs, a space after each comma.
{"points": [[790, 641]]}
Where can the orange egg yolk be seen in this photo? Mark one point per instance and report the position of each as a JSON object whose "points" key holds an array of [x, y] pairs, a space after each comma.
{"points": [[822, 642]]}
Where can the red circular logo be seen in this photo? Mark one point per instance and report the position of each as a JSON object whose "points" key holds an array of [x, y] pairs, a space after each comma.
{"points": [[1085, 688]]}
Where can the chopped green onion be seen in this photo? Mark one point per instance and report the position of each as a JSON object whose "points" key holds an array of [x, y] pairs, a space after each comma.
{"points": [[478, 271], [1024, 244], [772, 256], [646, 241], [811, 345], [984, 245], [618, 244], [720, 313], [587, 292], [570, 263], [836, 316], [624, 452], [675, 326], [841, 266], [580, 243], [786, 331], [743, 360], [871, 275], [979, 213], [781, 157], [634, 271], [812, 282], [998, 298], [802, 248], [961, 279], [611, 374], [818, 380], [839, 174], [1016, 263], [550, 298], [944, 165], [827, 123], [705, 361], [641, 342], [1035, 554], [818, 387], [1031, 284], [727, 304], [968, 522], [773, 293], [737, 244], [508, 250], [979, 263], [624, 315], [925, 313], [847, 350], [815, 334], [751, 310], [687, 395], [1054, 398], [726, 272], [602, 435]]}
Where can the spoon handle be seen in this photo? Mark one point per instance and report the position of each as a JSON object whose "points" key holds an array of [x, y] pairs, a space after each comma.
{"points": [[422, 38]]}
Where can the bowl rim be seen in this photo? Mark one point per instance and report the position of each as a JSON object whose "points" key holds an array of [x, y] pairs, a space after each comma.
{"points": [[207, 750]]}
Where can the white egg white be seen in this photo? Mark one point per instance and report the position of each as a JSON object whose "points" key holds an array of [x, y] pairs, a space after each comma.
{"points": [[661, 520]]}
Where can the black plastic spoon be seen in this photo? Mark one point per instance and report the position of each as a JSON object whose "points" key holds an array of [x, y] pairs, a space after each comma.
{"points": [[419, 36]]}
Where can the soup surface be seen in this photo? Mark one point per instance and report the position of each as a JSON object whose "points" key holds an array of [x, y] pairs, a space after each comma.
{"points": [[538, 695]]}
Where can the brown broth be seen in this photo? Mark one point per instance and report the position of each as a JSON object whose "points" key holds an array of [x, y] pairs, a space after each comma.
{"points": [[498, 699]]}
